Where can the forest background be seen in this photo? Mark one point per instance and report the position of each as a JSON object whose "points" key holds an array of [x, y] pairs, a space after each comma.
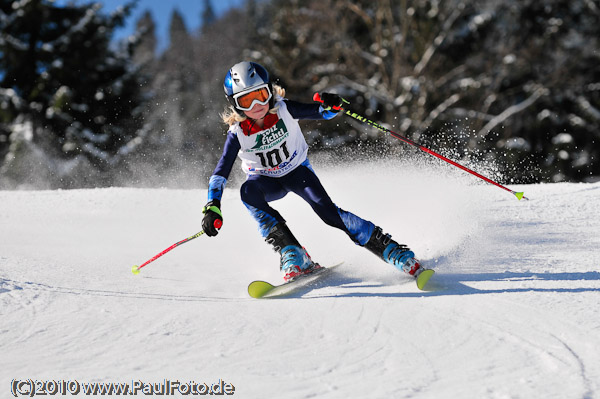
{"points": [[511, 87]]}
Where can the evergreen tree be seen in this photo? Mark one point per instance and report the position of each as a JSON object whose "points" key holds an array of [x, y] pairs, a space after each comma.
{"points": [[61, 75], [166, 151], [208, 15], [145, 50], [178, 32]]}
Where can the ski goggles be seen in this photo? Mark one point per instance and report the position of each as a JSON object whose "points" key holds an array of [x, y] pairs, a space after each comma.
{"points": [[246, 100]]}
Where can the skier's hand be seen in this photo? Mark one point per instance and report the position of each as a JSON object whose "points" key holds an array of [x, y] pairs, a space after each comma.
{"points": [[331, 102], [213, 218]]}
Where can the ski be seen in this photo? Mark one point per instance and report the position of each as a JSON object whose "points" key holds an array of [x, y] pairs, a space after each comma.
{"points": [[424, 277], [264, 289]]}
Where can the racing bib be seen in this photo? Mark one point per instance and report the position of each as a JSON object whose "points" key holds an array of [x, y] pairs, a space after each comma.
{"points": [[276, 150]]}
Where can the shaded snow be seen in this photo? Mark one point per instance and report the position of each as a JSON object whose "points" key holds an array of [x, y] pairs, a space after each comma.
{"points": [[513, 311]]}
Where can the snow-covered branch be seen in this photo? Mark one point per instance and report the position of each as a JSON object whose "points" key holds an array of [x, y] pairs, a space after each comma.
{"points": [[512, 110], [430, 51]]}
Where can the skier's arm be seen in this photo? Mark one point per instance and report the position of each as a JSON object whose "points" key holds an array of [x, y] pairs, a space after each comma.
{"points": [[216, 185], [311, 111], [218, 180]]}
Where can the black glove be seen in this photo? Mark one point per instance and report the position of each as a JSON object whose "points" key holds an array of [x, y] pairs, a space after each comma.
{"points": [[213, 218], [331, 102]]}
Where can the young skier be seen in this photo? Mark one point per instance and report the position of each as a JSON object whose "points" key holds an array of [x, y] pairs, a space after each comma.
{"points": [[265, 134]]}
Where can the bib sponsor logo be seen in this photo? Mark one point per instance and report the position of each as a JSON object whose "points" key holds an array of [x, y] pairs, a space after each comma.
{"points": [[270, 137]]}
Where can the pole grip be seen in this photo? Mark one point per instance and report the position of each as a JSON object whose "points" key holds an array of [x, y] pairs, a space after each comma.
{"points": [[218, 224], [317, 98]]}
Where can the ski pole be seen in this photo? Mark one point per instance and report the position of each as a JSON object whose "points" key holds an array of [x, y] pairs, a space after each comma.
{"points": [[136, 269], [519, 195]]}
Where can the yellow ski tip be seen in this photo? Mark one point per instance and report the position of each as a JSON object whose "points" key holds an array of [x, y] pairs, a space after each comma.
{"points": [[258, 289], [135, 270], [424, 277]]}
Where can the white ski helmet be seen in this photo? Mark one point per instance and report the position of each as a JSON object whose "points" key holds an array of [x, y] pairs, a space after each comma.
{"points": [[246, 77]]}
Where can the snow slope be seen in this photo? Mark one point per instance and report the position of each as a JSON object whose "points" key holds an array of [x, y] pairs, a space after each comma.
{"points": [[513, 311]]}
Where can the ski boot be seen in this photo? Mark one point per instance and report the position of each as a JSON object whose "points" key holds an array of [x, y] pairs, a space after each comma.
{"points": [[294, 261], [395, 254]]}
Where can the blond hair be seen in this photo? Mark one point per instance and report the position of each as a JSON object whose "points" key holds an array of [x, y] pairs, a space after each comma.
{"points": [[230, 117]]}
